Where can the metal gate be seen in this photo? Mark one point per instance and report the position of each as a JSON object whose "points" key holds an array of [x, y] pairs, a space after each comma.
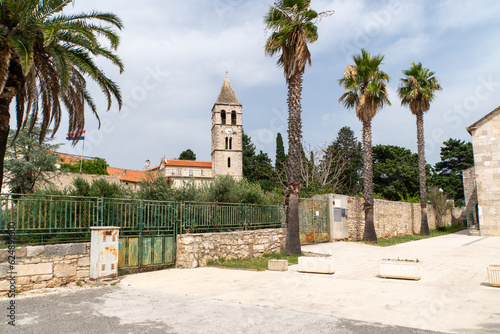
{"points": [[314, 221], [147, 234]]}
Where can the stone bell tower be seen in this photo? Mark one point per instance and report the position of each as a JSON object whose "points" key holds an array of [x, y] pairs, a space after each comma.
{"points": [[227, 133]]}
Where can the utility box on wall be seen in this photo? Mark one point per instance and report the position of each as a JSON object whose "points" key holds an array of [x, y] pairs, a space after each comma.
{"points": [[104, 253], [338, 210]]}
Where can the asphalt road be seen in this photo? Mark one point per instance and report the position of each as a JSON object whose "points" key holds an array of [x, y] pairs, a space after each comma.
{"points": [[125, 309]]}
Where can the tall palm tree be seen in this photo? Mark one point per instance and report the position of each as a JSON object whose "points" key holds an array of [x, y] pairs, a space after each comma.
{"points": [[417, 90], [45, 60], [365, 88], [292, 23]]}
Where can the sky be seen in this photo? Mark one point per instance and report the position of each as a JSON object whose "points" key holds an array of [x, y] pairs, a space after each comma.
{"points": [[176, 54]]}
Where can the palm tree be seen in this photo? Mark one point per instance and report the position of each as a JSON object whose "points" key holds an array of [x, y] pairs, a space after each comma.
{"points": [[417, 90], [292, 23], [366, 90], [45, 60]]}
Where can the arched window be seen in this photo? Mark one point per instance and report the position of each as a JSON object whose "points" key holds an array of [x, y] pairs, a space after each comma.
{"points": [[233, 117], [223, 117], [230, 143], [228, 162], [227, 140]]}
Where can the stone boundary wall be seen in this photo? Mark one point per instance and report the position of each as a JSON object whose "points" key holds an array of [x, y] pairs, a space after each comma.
{"points": [[62, 180], [393, 218], [39, 267], [195, 250]]}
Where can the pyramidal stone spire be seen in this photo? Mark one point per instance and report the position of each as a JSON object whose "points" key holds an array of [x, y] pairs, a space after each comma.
{"points": [[227, 95]]}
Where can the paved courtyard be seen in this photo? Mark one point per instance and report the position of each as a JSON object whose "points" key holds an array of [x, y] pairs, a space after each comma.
{"points": [[452, 296]]}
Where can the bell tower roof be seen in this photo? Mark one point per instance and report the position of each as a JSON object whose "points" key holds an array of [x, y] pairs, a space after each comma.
{"points": [[227, 95]]}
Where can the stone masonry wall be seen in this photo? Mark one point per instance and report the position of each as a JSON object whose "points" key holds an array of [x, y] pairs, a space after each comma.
{"points": [[393, 218], [39, 267], [486, 143], [194, 250]]}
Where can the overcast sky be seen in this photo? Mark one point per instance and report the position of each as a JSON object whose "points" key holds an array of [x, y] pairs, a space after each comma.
{"points": [[176, 54]]}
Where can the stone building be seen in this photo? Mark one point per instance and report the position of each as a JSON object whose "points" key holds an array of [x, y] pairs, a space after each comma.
{"points": [[227, 145], [486, 145]]}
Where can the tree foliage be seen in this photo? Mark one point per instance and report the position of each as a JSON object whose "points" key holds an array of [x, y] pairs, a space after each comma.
{"points": [[281, 157], [187, 155], [223, 188], [46, 58], [395, 172], [351, 151], [98, 188], [440, 203], [456, 155], [263, 171], [248, 155], [27, 159], [96, 166]]}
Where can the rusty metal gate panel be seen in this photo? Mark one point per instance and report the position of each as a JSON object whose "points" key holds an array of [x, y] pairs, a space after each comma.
{"points": [[149, 229], [314, 221]]}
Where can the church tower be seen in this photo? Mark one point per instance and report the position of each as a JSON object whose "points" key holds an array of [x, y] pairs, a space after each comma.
{"points": [[227, 133]]}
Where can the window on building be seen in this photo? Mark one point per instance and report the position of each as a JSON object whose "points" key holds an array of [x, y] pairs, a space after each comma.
{"points": [[179, 171], [223, 117], [228, 162], [230, 143], [227, 143], [191, 172], [233, 117], [173, 172], [202, 172]]}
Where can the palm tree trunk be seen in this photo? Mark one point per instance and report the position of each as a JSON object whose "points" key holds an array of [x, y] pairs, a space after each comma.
{"points": [[292, 245], [14, 82], [424, 226], [4, 64], [5, 100], [369, 234]]}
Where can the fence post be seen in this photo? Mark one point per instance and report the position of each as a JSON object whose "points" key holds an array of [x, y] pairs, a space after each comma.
{"points": [[245, 216], [100, 212], [141, 226], [179, 217]]}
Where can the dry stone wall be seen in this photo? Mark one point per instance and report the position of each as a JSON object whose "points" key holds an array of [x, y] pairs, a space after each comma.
{"points": [[195, 250], [39, 267], [393, 218]]}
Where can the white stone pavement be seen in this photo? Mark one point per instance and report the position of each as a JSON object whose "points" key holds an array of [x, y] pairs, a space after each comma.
{"points": [[452, 296]]}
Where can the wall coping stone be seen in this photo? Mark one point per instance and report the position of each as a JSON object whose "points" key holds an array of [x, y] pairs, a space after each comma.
{"points": [[57, 250]]}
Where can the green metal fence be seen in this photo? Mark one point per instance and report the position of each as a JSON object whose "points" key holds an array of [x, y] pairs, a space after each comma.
{"points": [[48, 219], [40, 220], [213, 217]]}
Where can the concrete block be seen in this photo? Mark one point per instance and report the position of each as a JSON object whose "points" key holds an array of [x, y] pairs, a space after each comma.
{"points": [[34, 269], [320, 265], [33, 251], [277, 265], [57, 250], [76, 249], [64, 270]]}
